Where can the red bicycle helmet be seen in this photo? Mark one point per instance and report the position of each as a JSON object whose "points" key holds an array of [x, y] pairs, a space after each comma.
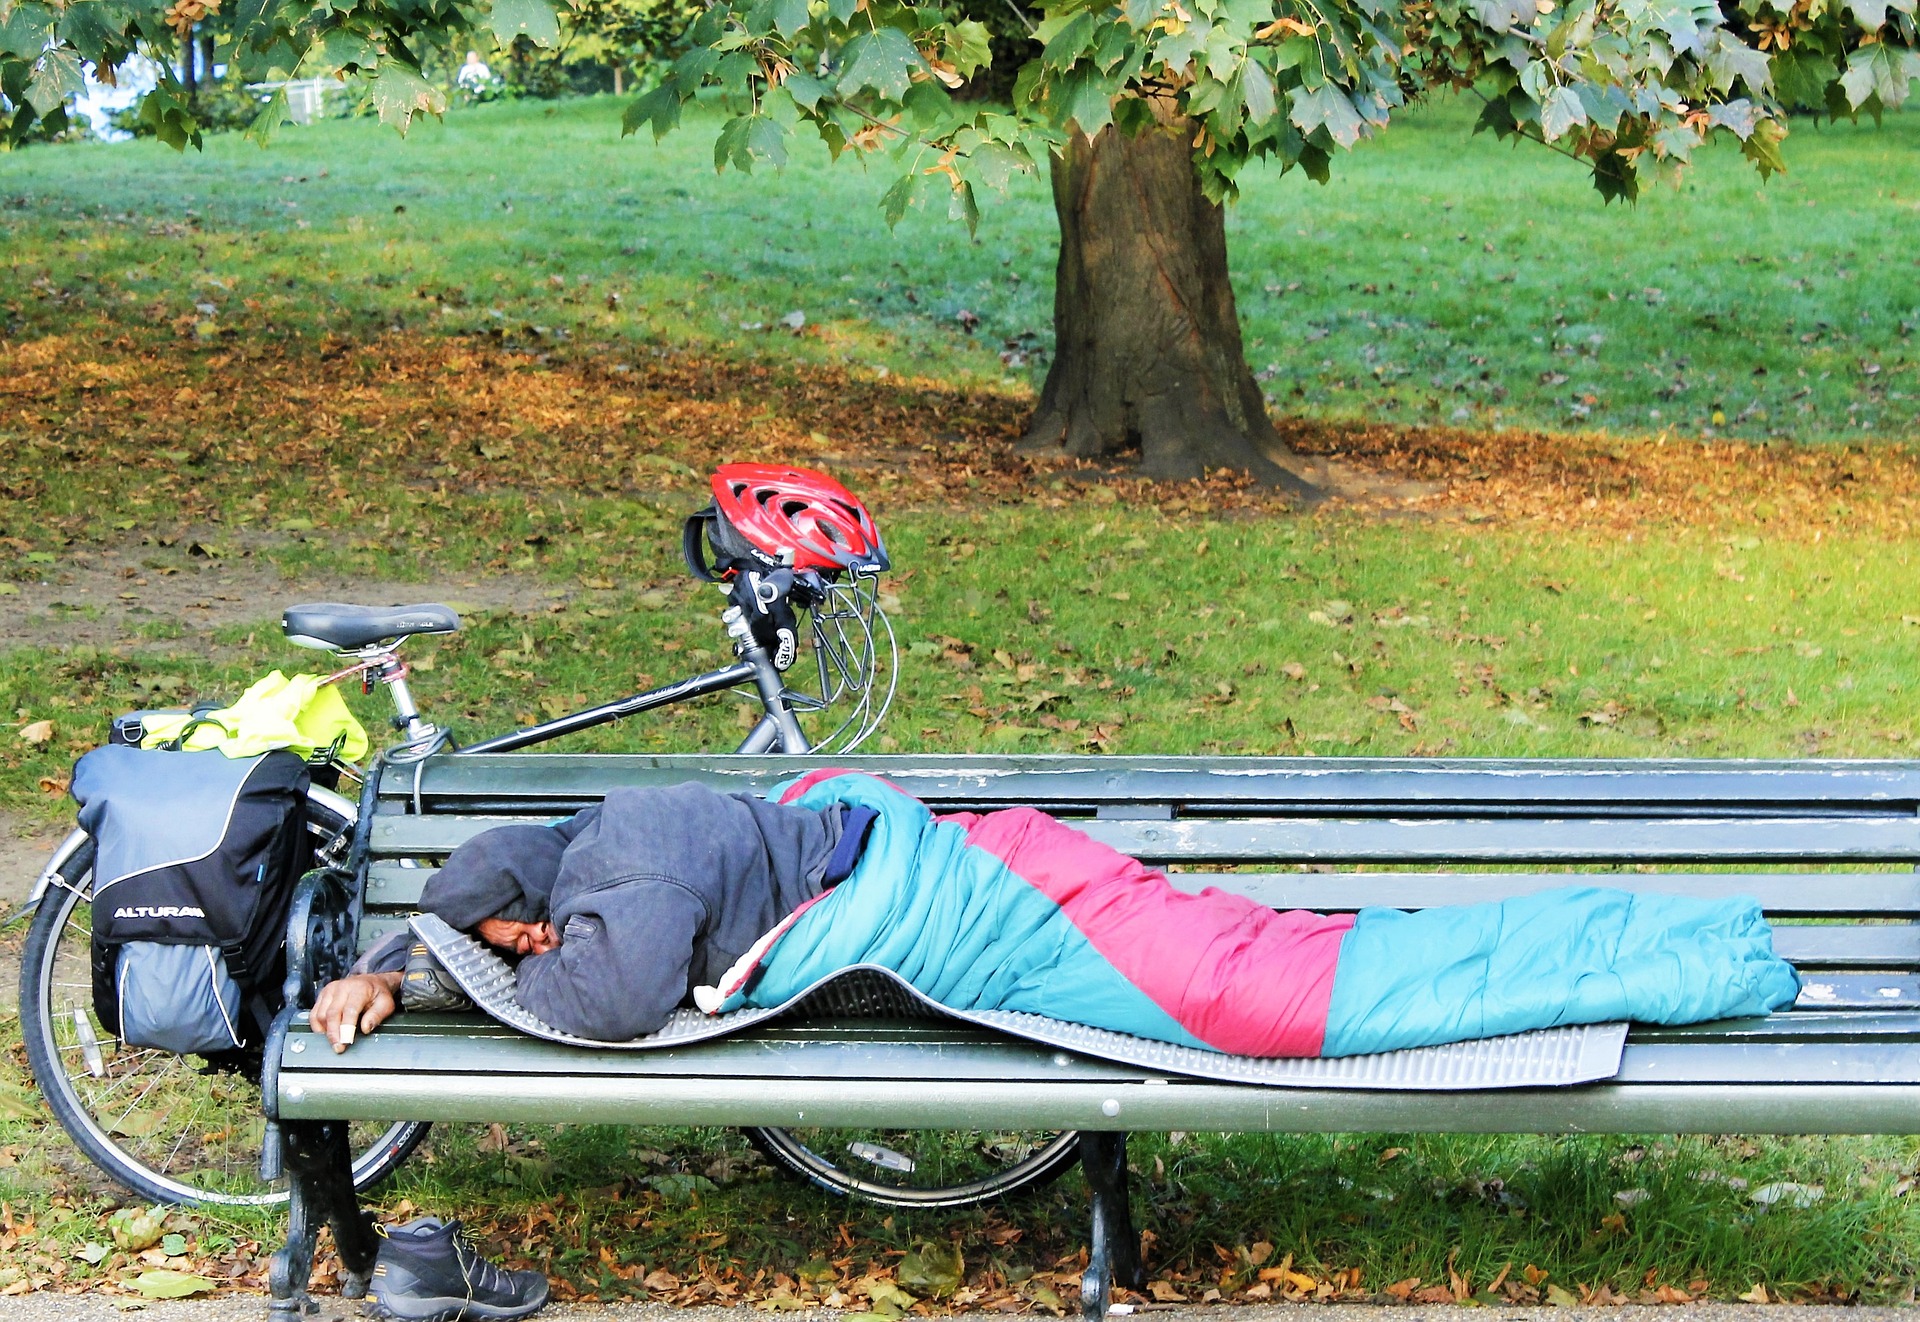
{"points": [[773, 515]]}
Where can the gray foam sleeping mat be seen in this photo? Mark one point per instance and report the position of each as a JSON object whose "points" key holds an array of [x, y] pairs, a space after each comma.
{"points": [[1546, 1057]]}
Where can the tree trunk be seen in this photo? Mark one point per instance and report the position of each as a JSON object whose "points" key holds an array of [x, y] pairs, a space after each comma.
{"points": [[1148, 353], [206, 59], [619, 81], [189, 79]]}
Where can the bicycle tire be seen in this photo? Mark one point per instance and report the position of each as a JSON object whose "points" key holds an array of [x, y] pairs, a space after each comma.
{"points": [[189, 1135], [943, 1167], [960, 1167]]}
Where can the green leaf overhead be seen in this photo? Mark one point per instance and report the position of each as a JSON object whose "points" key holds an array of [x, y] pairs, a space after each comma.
{"points": [[1560, 112], [1880, 72], [532, 19], [1327, 107], [659, 108], [883, 62], [399, 94], [57, 75], [790, 17], [1632, 87]]}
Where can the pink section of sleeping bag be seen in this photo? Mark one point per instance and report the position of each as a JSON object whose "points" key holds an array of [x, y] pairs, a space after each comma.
{"points": [[1234, 973], [796, 788]]}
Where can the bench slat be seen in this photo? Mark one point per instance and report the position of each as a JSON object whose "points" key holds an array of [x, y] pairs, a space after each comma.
{"points": [[1866, 1064], [1067, 778], [1515, 840], [1650, 1108], [1346, 840], [1809, 894], [1813, 894], [1859, 991], [922, 1063], [375, 927], [1838, 946], [1790, 1026]]}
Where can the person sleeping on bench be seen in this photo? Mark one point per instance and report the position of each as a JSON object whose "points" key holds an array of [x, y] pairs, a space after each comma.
{"points": [[663, 897], [660, 898]]}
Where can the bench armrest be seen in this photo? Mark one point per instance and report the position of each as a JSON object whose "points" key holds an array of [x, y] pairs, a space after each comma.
{"points": [[321, 928], [321, 931]]}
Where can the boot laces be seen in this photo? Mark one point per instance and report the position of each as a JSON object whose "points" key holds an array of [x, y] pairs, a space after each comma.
{"points": [[480, 1274]]}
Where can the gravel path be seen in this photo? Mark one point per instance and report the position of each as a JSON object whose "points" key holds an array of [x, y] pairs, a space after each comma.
{"points": [[91, 1308], [191, 583]]}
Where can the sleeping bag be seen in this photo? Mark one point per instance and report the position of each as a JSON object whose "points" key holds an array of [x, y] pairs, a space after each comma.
{"points": [[1012, 910]]}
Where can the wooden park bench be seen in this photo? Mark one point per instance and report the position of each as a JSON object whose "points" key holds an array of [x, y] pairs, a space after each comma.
{"points": [[1828, 848]]}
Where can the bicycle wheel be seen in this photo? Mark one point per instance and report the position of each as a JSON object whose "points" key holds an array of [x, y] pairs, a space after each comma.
{"points": [[172, 1129], [920, 1167]]}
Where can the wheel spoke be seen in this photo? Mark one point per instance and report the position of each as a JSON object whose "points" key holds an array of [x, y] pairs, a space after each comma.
{"points": [[121, 1119], [919, 1167], [197, 1130], [174, 1151], [120, 1061]]}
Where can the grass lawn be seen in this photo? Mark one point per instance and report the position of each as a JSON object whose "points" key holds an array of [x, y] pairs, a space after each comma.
{"points": [[1440, 277], [496, 358]]}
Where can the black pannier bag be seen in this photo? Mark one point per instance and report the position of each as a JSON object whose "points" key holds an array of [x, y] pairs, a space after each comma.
{"points": [[197, 855]]}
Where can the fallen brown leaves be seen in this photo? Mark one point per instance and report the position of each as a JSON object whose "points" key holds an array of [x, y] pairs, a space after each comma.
{"points": [[1598, 481], [586, 1242], [472, 415], [141, 1253], [205, 421]]}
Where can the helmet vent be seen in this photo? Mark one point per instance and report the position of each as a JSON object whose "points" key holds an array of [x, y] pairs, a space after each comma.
{"points": [[797, 516]]}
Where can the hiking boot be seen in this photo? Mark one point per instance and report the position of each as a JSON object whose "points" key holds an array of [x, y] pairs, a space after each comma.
{"points": [[427, 986], [429, 1271]]}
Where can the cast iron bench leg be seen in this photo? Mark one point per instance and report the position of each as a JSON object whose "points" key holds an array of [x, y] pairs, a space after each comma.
{"points": [[1114, 1252], [319, 1167]]}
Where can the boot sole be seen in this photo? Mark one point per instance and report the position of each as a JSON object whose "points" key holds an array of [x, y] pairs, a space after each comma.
{"points": [[451, 1309]]}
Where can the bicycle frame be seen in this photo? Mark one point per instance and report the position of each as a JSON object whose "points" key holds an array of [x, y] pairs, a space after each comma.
{"points": [[777, 727]]}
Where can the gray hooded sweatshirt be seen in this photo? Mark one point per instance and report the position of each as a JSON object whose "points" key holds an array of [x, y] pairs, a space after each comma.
{"points": [[652, 893]]}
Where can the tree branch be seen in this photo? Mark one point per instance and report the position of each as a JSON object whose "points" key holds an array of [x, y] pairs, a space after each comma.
{"points": [[1521, 133]]}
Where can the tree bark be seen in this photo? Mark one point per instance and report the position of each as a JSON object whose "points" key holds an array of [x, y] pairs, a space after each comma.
{"points": [[189, 78], [1148, 354]]}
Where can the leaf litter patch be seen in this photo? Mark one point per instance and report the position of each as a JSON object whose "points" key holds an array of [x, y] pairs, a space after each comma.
{"points": [[199, 427]]}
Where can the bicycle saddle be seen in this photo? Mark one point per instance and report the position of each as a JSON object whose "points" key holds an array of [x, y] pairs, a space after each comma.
{"points": [[331, 625]]}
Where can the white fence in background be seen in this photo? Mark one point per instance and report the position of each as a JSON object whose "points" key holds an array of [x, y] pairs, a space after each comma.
{"points": [[306, 97]]}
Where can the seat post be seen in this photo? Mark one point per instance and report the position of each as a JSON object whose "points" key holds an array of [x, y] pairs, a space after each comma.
{"points": [[406, 715]]}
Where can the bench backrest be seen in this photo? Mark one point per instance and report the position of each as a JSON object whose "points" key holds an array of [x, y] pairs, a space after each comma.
{"points": [[1828, 848]]}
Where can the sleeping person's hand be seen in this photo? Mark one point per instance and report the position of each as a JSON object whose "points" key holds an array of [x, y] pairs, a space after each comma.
{"points": [[360, 1002]]}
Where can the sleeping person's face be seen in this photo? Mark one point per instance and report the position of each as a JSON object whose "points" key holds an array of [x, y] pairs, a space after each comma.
{"points": [[517, 938]]}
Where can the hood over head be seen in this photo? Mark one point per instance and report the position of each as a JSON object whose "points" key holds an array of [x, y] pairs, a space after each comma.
{"points": [[507, 872]]}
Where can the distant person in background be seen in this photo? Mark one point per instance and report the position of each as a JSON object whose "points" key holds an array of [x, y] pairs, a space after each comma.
{"points": [[475, 78]]}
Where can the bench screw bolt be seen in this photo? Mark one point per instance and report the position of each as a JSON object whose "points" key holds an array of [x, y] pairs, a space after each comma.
{"points": [[1110, 1107]]}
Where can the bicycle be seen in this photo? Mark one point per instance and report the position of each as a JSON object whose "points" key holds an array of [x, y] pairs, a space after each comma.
{"points": [[176, 1132]]}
